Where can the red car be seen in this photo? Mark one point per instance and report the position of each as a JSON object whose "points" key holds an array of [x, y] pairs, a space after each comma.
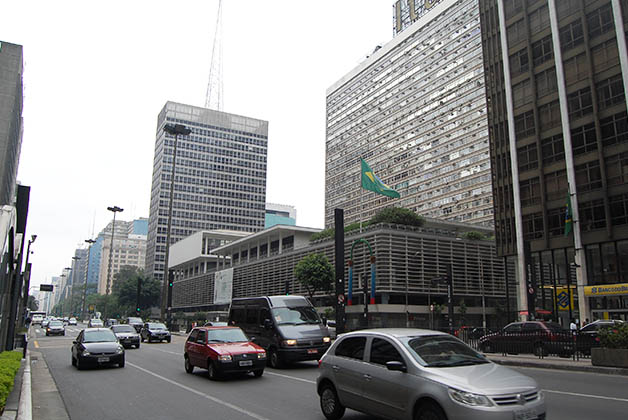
{"points": [[223, 350]]}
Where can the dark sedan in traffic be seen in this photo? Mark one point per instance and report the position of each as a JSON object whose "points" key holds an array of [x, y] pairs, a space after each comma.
{"points": [[155, 331], [97, 347], [127, 335]]}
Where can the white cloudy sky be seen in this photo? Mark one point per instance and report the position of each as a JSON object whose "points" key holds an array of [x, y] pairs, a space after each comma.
{"points": [[96, 74]]}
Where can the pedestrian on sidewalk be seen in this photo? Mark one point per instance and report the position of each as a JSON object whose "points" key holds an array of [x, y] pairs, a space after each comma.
{"points": [[573, 326]]}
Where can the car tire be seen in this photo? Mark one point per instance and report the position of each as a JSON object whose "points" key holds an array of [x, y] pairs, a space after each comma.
{"points": [[430, 411], [189, 367], [137, 346], [212, 372], [274, 360], [78, 364], [258, 373], [121, 364], [73, 361], [168, 339], [330, 404], [142, 338]]}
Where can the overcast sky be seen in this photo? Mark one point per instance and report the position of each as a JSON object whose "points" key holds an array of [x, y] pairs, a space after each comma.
{"points": [[96, 74]]}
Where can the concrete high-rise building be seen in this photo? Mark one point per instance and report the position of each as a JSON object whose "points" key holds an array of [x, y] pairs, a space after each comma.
{"points": [[415, 111], [280, 214], [11, 98], [557, 76], [220, 179], [129, 248]]}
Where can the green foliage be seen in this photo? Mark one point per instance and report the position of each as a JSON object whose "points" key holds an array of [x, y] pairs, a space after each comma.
{"points": [[398, 216], [32, 304], [315, 273], [125, 289], [462, 309], [615, 337], [9, 365], [474, 236], [200, 317]]}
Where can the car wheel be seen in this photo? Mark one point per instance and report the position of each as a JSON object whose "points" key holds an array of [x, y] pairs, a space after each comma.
{"points": [[137, 346], [168, 339], [258, 373], [212, 372], [430, 411], [73, 361], [78, 364], [142, 338], [330, 404], [274, 360], [189, 367], [121, 364]]}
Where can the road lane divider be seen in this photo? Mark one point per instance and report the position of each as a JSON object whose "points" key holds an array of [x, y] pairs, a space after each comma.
{"points": [[576, 394], [201, 394], [36, 344]]}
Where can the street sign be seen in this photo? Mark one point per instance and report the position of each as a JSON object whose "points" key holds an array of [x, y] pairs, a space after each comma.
{"points": [[46, 288]]}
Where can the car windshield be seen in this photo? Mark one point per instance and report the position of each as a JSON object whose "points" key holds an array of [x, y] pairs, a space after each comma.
{"points": [[123, 329], [56, 324], [226, 335], [99, 336], [296, 315], [442, 351], [156, 326]]}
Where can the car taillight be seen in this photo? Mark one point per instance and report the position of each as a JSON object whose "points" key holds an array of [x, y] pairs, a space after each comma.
{"points": [[319, 362]]}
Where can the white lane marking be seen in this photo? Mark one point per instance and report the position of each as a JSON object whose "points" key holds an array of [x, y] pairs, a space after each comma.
{"points": [[290, 377], [166, 351], [38, 331], [575, 394], [201, 394]]}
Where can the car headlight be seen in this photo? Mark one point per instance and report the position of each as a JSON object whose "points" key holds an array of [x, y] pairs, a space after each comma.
{"points": [[289, 342], [86, 353], [261, 355], [326, 339], [541, 394], [120, 350], [225, 358], [468, 398]]}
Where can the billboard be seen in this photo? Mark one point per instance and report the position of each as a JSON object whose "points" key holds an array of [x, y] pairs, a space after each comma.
{"points": [[223, 286]]}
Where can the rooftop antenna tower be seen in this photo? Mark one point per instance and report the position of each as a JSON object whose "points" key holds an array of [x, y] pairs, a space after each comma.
{"points": [[213, 96]]}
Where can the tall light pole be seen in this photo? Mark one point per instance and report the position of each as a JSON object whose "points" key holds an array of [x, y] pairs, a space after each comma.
{"points": [[27, 280], [166, 290], [89, 249], [73, 277], [114, 209]]}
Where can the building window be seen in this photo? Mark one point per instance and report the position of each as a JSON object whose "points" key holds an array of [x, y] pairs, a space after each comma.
{"points": [[532, 226], [614, 129], [617, 169], [556, 221], [553, 149], [527, 157], [580, 103], [539, 19], [556, 185], [549, 115], [516, 33], [542, 50], [610, 92], [524, 125], [600, 21], [583, 139], [576, 69], [588, 176], [567, 8], [530, 192], [605, 55], [546, 82], [522, 93], [592, 215], [512, 7], [571, 35], [519, 62], [619, 209]]}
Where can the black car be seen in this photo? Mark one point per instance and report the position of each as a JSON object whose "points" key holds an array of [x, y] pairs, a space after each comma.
{"points": [[97, 347], [135, 322], [55, 328], [127, 335], [155, 331]]}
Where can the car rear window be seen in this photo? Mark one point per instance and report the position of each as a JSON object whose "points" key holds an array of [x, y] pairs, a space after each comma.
{"points": [[123, 328]]}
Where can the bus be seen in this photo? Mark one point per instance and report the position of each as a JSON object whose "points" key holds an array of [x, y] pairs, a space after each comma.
{"points": [[37, 317]]}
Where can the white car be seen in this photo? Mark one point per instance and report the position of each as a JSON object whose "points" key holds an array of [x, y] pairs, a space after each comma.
{"points": [[72, 321]]}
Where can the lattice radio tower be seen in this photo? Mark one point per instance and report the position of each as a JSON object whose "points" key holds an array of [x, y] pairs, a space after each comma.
{"points": [[213, 96]]}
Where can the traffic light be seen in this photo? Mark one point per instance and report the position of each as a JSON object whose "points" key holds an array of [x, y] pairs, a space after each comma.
{"points": [[137, 310]]}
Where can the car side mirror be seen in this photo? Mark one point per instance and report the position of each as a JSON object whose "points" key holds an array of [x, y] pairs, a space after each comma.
{"points": [[397, 366], [268, 324], [74, 342], [252, 338]]}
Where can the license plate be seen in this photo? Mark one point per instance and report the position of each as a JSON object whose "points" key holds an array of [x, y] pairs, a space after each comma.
{"points": [[312, 351], [246, 363], [525, 415], [103, 359]]}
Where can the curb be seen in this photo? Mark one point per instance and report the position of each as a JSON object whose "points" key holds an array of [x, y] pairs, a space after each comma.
{"points": [[25, 409], [572, 368]]}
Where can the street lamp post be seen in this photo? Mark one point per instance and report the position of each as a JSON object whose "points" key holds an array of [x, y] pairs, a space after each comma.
{"points": [[75, 261], [27, 280], [67, 293], [166, 291], [114, 209], [89, 249]]}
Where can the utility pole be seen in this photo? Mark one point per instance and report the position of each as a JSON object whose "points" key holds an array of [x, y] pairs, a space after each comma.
{"points": [[89, 250], [448, 280]]}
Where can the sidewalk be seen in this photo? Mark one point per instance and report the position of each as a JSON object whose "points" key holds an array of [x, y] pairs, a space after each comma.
{"points": [[47, 402], [529, 360]]}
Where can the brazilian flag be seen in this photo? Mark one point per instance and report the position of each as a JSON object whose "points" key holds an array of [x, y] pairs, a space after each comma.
{"points": [[371, 182]]}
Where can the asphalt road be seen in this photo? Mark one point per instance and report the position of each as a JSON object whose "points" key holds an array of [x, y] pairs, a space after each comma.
{"points": [[154, 385]]}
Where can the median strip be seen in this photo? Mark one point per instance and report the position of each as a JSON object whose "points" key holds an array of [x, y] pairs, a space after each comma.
{"points": [[575, 394]]}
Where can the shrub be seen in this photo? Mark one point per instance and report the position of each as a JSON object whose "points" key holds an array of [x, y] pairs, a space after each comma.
{"points": [[9, 365], [615, 337], [474, 236]]}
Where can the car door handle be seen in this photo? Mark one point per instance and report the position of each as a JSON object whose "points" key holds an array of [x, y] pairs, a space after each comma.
{"points": [[367, 377], [335, 368]]}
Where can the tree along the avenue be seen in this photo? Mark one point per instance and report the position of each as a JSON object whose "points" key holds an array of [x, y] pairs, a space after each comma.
{"points": [[315, 273], [32, 304]]}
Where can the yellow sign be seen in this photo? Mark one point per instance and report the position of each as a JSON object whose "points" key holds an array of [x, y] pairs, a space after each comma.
{"points": [[562, 299], [606, 289]]}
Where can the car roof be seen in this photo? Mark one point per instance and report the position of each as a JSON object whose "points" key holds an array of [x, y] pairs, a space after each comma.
{"points": [[397, 332], [219, 327], [96, 329]]}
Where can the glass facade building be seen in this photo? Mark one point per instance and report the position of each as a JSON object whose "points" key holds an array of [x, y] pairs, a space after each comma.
{"points": [[556, 76], [220, 177], [415, 111]]}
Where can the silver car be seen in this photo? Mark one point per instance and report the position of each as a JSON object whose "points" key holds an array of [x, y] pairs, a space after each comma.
{"points": [[421, 375]]}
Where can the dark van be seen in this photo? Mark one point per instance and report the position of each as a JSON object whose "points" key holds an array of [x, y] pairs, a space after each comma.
{"points": [[287, 327]]}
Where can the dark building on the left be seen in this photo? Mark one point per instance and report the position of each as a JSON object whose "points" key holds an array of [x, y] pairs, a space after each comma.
{"points": [[13, 197]]}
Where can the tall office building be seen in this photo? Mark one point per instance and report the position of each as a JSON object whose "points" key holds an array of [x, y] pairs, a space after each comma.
{"points": [[557, 77], [220, 177], [280, 214], [415, 110]]}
